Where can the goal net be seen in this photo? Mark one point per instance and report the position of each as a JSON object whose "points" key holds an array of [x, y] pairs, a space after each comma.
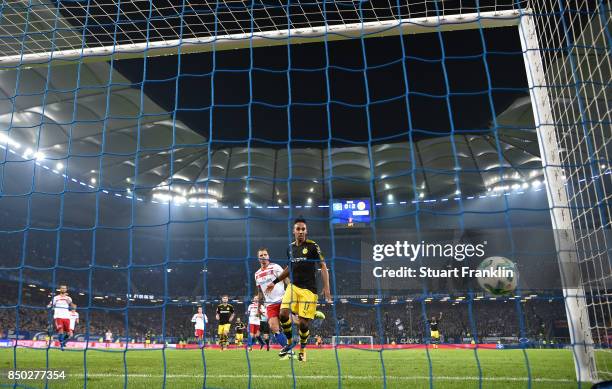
{"points": [[149, 148], [352, 341]]}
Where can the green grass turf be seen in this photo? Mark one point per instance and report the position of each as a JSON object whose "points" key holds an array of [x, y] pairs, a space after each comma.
{"points": [[359, 368]]}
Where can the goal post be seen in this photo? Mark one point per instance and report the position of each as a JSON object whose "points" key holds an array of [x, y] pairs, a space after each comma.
{"points": [[573, 292], [352, 340], [566, 56]]}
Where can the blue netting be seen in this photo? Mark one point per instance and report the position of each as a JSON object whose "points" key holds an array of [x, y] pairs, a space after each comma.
{"points": [[148, 184]]}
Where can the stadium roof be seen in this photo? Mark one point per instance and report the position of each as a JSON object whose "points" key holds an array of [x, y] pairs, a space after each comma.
{"points": [[118, 138], [136, 148]]}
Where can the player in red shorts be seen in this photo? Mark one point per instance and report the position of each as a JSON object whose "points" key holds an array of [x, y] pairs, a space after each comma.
{"points": [[74, 320], [61, 305], [254, 313], [266, 274], [200, 320]]}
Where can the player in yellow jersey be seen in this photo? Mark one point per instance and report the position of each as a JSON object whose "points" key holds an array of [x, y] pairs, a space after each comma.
{"points": [[240, 327], [300, 296], [225, 316], [434, 330]]}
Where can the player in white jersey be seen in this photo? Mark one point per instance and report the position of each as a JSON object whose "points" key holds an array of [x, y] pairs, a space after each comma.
{"points": [[74, 320], [264, 328], [266, 274], [61, 305], [200, 320], [254, 313]]}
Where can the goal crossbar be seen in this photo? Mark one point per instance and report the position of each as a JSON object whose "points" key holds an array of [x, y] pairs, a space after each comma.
{"points": [[337, 32]]}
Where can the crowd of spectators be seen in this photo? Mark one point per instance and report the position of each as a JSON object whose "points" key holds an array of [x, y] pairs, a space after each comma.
{"points": [[399, 322], [403, 320], [408, 321]]}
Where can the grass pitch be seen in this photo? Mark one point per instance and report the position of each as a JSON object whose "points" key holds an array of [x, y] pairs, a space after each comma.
{"points": [[356, 368]]}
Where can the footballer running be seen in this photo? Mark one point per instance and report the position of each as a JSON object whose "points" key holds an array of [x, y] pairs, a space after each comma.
{"points": [[300, 295], [267, 273]]}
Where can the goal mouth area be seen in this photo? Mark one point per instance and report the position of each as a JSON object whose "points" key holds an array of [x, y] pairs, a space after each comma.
{"points": [[335, 32]]}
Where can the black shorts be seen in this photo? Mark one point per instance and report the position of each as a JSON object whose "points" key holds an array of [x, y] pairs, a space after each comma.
{"points": [[264, 327]]}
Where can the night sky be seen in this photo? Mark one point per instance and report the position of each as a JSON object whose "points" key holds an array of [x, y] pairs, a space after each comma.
{"points": [[305, 69]]}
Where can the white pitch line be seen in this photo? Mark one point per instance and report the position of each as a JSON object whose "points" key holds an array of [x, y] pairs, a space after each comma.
{"points": [[331, 377]]}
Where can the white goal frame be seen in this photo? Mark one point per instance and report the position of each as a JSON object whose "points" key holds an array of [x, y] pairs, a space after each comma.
{"points": [[335, 344], [391, 27], [560, 214]]}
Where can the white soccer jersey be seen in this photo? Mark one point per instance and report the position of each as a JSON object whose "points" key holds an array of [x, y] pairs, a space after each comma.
{"points": [[253, 310], [199, 321], [74, 316], [61, 306], [265, 277]]}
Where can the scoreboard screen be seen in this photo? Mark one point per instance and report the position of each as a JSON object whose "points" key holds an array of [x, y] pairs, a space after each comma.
{"points": [[351, 213]]}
